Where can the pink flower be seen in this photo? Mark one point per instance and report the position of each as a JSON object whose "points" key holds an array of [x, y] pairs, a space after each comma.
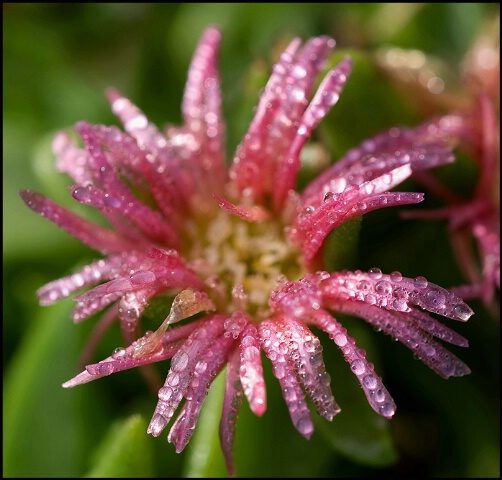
{"points": [[474, 217], [241, 248]]}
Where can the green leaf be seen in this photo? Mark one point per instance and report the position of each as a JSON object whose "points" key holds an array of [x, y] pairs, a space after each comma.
{"points": [[204, 458], [340, 250], [41, 421], [126, 451]]}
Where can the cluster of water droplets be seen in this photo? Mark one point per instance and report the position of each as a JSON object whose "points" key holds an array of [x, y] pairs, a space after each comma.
{"points": [[274, 344], [251, 371], [182, 365], [376, 393], [395, 292]]}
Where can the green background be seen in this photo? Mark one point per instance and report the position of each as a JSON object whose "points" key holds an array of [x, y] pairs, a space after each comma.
{"points": [[58, 60]]}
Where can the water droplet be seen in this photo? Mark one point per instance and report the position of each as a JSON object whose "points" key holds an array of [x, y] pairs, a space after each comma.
{"points": [[370, 299], [370, 382], [82, 194], [463, 312], [375, 273], [179, 361], [328, 195], [379, 395], [119, 353], [143, 277], [387, 410], [383, 287], [396, 276], [173, 379], [400, 305], [105, 368], [358, 367], [165, 393], [420, 282], [340, 339], [435, 299], [201, 366]]}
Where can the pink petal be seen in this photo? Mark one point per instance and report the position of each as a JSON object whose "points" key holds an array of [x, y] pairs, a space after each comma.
{"points": [[399, 327], [279, 112], [251, 370], [394, 292], [205, 371], [179, 375], [378, 397], [274, 343], [327, 95], [96, 237]]}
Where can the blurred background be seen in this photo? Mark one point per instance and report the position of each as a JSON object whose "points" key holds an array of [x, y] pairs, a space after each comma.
{"points": [[58, 59]]}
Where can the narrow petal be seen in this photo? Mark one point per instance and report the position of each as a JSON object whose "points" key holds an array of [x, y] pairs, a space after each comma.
{"points": [[394, 292], [209, 364], [74, 161], [104, 269], [148, 137], [378, 397], [96, 237], [399, 327], [327, 95], [305, 353], [279, 112], [427, 146], [313, 224], [179, 375], [255, 213], [202, 114], [274, 343], [251, 370]]}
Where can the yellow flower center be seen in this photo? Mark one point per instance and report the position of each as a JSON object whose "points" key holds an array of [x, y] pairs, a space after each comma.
{"points": [[242, 261]]}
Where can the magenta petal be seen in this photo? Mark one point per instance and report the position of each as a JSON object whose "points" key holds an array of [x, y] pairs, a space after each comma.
{"points": [[274, 343], [251, 370], [305, 353], [378, 397], [327, 95], [210, 363], [394, 292], [399, 327], [280, 110], [96, 237], [182, 365]]}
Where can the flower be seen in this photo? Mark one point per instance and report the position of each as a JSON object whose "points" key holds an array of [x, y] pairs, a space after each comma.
{"points": [[241, 249], [473, 217]]}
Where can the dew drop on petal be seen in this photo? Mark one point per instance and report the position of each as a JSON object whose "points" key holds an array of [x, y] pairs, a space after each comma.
{"points": [[435, 299], [119, 353], [340, 339], [358, 367], [396, 276], [179, 362], [370, 382], [387, 410], [375, 273], [462, 312], [420, 282], [165, 393]]}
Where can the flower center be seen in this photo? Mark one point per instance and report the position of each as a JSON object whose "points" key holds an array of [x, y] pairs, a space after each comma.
{"points": [[242, 261]]}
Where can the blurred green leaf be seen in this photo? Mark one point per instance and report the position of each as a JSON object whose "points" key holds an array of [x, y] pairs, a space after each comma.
{"points": [[42, 432], [204, 458], [125, 452]]}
